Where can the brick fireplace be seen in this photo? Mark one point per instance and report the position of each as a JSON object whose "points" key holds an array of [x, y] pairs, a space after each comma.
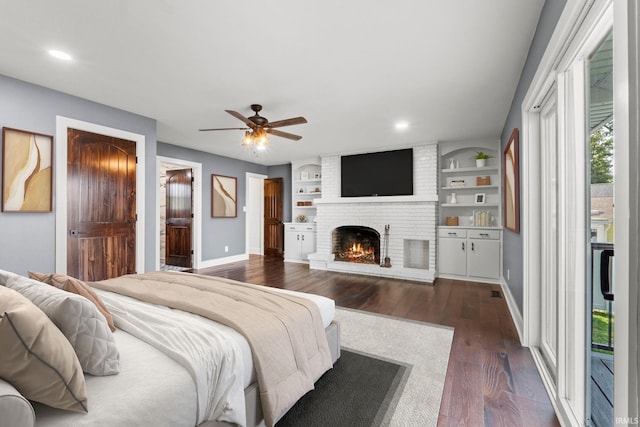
{"points": [[411, 220]]}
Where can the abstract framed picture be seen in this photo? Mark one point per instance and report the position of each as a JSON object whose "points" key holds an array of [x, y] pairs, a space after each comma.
{"points": [[27, 160], [224, 202], [511, 184]]}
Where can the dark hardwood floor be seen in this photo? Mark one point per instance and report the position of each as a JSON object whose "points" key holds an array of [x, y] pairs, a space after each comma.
{"points": [[491, 379]]}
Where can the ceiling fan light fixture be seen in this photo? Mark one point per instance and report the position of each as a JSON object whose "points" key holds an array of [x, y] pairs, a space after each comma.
{"points": [[261, 140], [247, 140]]}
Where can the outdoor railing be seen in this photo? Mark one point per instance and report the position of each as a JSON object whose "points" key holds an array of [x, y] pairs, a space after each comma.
{"points": [[602, 296]]}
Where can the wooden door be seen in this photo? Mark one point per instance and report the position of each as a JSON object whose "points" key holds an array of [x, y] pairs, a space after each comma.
{"points": [[179, 217], [101, 206], [273, 225]]}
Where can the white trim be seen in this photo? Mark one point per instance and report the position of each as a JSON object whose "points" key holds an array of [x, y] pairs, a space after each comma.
{"points": [[251, 216], [627, 190], [196, 225], [62, 126], [432, 198], [226, 260], [513, 309]]}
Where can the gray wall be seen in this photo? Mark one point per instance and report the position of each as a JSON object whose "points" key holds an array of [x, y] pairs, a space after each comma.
{"points": [[27, 240], [220, 232], [512, 243]]}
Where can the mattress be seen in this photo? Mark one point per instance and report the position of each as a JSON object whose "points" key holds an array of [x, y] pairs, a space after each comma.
{"points": [[151, 389]]}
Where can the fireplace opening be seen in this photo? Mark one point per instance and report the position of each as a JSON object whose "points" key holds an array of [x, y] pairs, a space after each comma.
{"points": [[352, 243]]}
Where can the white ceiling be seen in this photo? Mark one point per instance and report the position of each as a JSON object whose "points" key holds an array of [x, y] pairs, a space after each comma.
{"points": [[352, 68]]}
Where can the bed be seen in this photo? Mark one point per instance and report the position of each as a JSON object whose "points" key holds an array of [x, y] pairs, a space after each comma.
{"points": [[164, 369]]}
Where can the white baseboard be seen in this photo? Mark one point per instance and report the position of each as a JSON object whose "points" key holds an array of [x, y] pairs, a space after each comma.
{"points": [[513, 309], [220, 261]]}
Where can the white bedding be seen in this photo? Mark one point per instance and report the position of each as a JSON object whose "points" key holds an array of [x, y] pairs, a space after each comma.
{"points": [[150, 389], [209, 354], [150, 376]]}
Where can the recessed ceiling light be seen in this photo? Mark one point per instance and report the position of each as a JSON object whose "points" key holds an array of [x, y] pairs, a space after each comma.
{"points": [[60, 54], [402, 125]]}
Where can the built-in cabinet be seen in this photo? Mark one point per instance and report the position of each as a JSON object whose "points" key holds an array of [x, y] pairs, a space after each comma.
{"points": [[299, 241], [469, 253], [300, 234], [470, 231]]}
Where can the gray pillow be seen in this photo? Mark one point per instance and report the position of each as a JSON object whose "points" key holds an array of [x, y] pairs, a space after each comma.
{"points": [[78, 319]]}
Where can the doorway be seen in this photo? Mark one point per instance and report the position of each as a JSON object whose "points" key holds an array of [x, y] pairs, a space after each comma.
{"points": [[254, 224], [178, 214], [63, 124], [164, 164], [273, 218]]}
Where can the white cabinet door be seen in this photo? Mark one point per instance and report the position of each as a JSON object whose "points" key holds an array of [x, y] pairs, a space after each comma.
{"points": [[299, 241], [292, 244], [307, 243], [484, 258], [452, 256]]}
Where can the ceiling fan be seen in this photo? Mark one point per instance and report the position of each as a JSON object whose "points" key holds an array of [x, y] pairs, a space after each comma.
{"points": [[259, 127]]}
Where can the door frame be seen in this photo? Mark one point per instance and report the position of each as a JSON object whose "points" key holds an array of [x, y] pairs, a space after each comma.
{"points": [[196, 225], [583, 24], [60, 160], [254, 198]]}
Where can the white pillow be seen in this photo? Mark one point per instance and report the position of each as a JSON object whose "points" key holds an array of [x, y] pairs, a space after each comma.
{"points": [[78, 319]]}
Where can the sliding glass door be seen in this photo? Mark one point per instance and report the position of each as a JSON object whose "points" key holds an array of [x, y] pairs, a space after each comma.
{"points": [[600, 315]]}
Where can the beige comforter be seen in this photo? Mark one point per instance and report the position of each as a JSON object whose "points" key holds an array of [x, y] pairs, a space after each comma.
{"points": [[287, 339]]}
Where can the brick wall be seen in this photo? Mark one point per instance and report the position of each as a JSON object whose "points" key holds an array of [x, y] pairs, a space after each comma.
{"points": [[409, 217]]}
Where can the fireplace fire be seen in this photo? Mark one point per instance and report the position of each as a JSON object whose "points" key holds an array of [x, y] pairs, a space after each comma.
{"points": [[356, 244]]}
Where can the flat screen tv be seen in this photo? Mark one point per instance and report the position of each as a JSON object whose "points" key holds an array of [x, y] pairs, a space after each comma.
{"points": [[387, 173]]}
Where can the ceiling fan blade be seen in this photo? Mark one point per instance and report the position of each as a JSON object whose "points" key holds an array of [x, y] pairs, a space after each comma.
{"points": [[239, 116], [205, 130], [287, 122], [284, 134]]}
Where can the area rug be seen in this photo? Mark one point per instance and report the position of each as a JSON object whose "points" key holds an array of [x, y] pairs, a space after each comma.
{"points": [[360, 390], [412, 362]]}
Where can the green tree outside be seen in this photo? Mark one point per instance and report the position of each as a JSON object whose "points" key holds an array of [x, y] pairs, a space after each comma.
{"points": [[602, 154]]}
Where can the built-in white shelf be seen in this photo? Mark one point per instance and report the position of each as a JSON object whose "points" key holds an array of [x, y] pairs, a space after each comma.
{"points": [[472, 170]]}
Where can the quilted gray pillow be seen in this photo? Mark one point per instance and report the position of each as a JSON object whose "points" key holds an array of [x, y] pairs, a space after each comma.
{"points": [[78, 319]]}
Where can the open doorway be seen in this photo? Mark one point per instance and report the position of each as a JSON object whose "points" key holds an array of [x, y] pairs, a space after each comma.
{"points": [[255, 213], [179, 214]]}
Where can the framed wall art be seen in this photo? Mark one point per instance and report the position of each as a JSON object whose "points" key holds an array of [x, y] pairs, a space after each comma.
{"points": [[27, 162], [511, 184], [224, 202]]}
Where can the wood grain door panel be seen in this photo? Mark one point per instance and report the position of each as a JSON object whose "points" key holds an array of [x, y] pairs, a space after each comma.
{"points": [[101, 206], [273, 215], [179, 217]]}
